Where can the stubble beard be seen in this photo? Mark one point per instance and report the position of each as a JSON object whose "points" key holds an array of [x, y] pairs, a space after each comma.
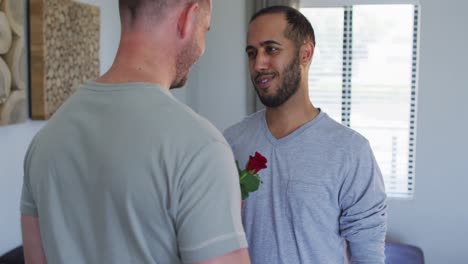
{"points": [[289, 86], [184, 61]]}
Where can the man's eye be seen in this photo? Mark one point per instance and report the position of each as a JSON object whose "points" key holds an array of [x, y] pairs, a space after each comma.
{"points": [[251, 54], [271, 49]]}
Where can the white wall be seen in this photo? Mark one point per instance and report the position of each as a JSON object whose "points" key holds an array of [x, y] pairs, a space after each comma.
{"points": [[437, 218], [219, 77], [13, 143]]}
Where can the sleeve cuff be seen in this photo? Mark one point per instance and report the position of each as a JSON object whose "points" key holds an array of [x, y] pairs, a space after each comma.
{"points": [[28, 209], [214, 247]]}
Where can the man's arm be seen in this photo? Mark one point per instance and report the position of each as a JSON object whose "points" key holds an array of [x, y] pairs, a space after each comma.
{"points": [[32, 243], [240, 256], [208, 221], [363, 203]]}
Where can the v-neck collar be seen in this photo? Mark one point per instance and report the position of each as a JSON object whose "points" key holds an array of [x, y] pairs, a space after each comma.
{"points": [[284, 140]]}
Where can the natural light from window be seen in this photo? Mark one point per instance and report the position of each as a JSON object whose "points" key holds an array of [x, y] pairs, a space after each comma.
{"points": [[366, 79]]}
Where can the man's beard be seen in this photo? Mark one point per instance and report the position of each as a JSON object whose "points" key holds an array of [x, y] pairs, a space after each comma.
{"points": [[184, 61], [289, 86]]}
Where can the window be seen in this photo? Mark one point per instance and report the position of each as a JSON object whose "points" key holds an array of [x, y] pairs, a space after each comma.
{"points": [[364, 75]]}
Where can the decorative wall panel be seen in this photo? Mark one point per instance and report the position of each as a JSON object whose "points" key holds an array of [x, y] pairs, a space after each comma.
{"points": [[64, 47]]}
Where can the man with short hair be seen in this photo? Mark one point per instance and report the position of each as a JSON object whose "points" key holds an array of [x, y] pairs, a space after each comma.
{"points": [[124, 172], [322, 195]]}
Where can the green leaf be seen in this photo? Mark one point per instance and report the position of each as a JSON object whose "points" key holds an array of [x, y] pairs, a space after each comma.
{"points": [[250, 183]]}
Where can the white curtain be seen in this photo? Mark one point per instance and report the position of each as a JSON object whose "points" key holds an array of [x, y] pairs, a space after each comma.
{"points": [[253, 103]]}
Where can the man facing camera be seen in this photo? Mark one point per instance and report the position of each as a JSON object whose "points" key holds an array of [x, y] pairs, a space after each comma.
{"points": [[322, 199]]}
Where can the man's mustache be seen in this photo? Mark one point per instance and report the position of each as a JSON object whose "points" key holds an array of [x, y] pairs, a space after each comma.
{"points": [[263, 74]]}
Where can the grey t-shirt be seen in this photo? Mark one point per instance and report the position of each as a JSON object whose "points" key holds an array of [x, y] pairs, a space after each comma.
{"points": [[125, 173], [322, 191]]}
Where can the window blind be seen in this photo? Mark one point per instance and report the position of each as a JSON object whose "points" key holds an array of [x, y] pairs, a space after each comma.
{"points": [[364, 75]]}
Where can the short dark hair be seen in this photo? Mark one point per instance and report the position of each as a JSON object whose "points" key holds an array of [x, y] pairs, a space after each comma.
{"points": [[299, 28]]}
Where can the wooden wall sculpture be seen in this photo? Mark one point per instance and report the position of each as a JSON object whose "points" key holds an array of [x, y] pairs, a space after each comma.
{"points": [[13, 62], [64, 50]]}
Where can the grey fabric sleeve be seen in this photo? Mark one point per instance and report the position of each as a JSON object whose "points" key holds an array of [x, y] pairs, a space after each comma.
{"points": [[363, 203], [208, 222], [27, 204]]}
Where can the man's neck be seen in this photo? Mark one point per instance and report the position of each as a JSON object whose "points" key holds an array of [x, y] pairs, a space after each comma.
{"points": [[135, 62], [291, 115]]}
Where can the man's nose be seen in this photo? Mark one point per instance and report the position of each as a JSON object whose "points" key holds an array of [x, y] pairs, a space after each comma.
{"points": [[261, 63]]}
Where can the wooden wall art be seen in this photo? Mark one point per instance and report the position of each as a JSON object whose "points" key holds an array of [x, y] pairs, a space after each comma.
{"points": [[64, 50], [13, 62]]}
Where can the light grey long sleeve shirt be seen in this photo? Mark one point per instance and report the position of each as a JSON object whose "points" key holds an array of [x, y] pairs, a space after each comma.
{"points": [[322, 199]]}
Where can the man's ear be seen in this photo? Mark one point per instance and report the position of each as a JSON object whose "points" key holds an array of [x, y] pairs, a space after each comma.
{"points": [[187, 19], [307, 52]]}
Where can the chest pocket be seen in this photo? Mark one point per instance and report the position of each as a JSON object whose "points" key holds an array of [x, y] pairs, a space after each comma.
{"points": [[315, 199], [308, 191]]}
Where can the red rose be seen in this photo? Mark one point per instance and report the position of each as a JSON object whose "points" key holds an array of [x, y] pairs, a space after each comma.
{"points": [[256, 163]]}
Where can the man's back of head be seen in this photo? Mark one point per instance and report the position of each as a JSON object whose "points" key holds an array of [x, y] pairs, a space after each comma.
{"points": [[133, 11], [160, 41]]}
